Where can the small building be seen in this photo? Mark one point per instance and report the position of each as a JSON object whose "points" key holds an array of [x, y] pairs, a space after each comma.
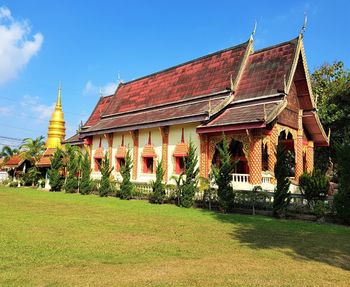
{"points": [[256, 98], [16, 166]]}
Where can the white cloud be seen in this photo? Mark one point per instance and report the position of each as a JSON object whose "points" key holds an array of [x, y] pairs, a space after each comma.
{"points": [[15, 48], [40, 111], [106, 90]]}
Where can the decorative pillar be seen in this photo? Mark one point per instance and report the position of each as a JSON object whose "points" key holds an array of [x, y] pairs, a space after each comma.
{"points": [[271, 150], [255, 158], [110, 146], [165, 142], [204, 150], [135, 154], [298, 148], [310, 157]]}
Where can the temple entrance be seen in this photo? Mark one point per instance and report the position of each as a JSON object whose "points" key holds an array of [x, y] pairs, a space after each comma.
{"points": [[287, 141], [236, 149]]}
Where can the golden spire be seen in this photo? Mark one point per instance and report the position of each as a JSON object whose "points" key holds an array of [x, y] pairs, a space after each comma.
{"points": [[57, 130]]}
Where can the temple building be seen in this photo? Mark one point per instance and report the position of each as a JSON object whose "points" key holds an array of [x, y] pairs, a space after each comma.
{"points": [[56, 133], [256, 98]]}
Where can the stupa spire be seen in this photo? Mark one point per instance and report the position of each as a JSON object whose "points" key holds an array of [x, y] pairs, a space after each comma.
{"points": [[57, 130]]}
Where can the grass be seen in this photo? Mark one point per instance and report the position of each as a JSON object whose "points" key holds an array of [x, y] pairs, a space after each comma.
{"points": [[57, 239]]}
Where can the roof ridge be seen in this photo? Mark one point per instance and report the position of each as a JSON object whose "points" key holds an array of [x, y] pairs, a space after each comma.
{"points": [[274, 46], [187, 62]]}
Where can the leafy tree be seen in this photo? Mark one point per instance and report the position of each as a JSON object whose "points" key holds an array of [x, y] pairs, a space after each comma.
{"points": [[158, 187], [314, 187], [282, 195], [7, 152], [126, 187], [34, 175], [85, 182], [331, 89], [55, 171], [178, 189], [106, 186], [32, 149], [190, 181], [342, 198], [223, 176], [72, 168]]}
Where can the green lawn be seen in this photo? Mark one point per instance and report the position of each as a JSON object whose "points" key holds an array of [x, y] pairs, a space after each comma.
{"points": [[57, 239]]}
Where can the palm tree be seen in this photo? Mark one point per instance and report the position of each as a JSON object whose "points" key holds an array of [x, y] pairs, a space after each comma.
{"points": [[7, 152], [32, 149]]}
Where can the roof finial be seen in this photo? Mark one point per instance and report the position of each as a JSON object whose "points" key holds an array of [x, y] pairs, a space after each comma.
{"points": [[100, 92], [58, 104], [303, 28], [254, 31]]}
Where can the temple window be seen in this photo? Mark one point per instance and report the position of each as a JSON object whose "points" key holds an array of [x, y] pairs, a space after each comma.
{"points": [[148, 165], [120, 163], [179, 164], [98, 162]]}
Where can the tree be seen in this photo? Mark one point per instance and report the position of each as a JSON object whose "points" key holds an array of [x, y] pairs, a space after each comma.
{"points": [[34, 175], [158, 187], [332, 94], [342, 198], [72, 156], [32, 149], [7, 152], [314, 186], [85, 182], [106, 170], [281, 198], [190, 180], [126, 187], [55, 172], [223, 176]]}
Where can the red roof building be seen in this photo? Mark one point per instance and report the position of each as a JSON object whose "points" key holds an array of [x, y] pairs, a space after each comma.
{"points": [[257, 98]]}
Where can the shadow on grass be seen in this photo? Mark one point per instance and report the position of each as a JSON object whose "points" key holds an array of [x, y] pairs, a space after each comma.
{"points": [[324, 243]]}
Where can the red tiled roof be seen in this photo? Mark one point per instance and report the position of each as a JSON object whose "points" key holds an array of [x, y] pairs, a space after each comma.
{"points": [[14, 161], [203, 76], [265, 71], [97, 112], [75, 139], [152, 116], [45, 160], [245, 114]]}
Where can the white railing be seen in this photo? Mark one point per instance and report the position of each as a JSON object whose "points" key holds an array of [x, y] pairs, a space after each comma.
{"points": [[240, 177], [240, 181]]}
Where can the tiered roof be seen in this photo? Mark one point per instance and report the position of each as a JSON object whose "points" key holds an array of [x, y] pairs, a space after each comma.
{"points": [[235, 88]]}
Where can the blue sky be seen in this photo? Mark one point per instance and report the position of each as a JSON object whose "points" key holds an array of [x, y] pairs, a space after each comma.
{"points": [[86, 44]]}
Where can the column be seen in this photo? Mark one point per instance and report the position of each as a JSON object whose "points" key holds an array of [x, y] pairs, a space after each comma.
{"points": [[165, 142], [204, 149], [110, 149], [135, 154], [310, 157], [255, 158], [298, 148]]}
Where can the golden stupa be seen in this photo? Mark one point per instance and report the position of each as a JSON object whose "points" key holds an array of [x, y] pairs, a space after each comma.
{"points": [[57, 129]]}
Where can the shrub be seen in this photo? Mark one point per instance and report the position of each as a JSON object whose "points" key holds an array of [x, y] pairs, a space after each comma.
{"points": [[314, 187], [223, 178], [85, 181], [55, 172], [158, 187], [190, 182], [126, 186], [282, 194], [105, 187], [342, 198], [72, 169], [13, 184]]}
